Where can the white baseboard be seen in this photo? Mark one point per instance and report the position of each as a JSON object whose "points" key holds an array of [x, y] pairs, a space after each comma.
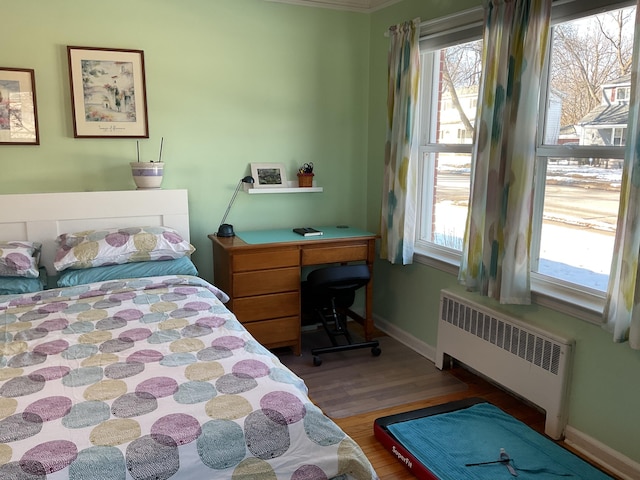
{"points": [[610, 459], [403, 337]]}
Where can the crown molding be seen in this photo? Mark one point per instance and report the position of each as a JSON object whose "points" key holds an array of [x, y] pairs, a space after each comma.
{"points": [[365, 6]]}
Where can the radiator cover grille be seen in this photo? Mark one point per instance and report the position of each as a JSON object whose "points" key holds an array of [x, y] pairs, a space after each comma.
{"points": [[533, 348], [527, 360]]}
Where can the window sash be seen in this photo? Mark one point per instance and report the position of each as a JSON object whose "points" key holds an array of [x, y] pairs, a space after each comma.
{"points": [[467, 26]]}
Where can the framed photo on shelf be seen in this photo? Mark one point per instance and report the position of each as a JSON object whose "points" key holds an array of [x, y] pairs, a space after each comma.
{"points": [[18, 108], [108, 93], [269, 175]]}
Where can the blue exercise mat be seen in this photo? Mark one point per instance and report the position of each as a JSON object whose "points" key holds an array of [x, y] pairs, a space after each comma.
{"points": [[466, 444]]}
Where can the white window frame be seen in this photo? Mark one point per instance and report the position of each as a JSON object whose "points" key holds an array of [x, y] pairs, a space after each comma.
{"points": [[620, 97], [619, 134], [465, 26], [557, 294], [580, 301]]}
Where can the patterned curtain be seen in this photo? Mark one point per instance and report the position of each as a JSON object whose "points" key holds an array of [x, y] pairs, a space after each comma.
{"points": [[399, 195], [622, 312], [496, 252]]}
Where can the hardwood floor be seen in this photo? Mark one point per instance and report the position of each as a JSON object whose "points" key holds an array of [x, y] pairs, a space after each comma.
{"points": [[352, 382], [360, 427]]}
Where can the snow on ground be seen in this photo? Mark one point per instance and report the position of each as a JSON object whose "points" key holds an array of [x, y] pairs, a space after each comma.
{"points": [[562, 172], [582, 257]]}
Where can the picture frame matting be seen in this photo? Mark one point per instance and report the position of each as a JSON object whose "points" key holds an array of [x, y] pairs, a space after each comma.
{"points": [[108, 92], [18, 107], [269, 175]]}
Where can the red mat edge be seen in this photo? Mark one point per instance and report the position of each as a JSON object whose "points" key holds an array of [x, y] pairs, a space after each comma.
{"points": [[402, 454], [386, 438]]}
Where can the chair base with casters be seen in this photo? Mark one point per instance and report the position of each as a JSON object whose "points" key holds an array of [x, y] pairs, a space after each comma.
{"points": [[329, 292]]}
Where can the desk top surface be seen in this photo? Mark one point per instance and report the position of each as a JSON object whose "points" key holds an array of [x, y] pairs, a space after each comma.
{"points": [[257, 237]]}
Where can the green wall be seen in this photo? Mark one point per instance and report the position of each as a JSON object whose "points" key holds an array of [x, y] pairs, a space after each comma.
{"points": [[605, 391], [229, 82]]}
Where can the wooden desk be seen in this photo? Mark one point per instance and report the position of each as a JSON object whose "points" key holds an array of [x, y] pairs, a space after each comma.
{"points": [[260, 271]]}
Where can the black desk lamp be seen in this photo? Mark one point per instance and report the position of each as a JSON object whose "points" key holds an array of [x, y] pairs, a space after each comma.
{"points": [[226, 230]]}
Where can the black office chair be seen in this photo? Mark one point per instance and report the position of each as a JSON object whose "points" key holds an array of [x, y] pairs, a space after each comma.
{"points": [[329, 292]]}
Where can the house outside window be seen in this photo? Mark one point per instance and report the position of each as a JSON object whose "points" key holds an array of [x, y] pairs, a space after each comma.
{"points": [[580, 149]]}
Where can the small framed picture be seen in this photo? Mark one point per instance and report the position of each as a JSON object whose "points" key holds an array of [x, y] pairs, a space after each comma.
{"points": [[18, 110], [108, 93], [269, 175]]}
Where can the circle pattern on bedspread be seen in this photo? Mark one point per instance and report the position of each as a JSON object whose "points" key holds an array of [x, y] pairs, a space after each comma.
{"points": [[129, 363], [309, 472], [50, 408], [153, 456], [266, 446], [105, 463], [49, 457]]}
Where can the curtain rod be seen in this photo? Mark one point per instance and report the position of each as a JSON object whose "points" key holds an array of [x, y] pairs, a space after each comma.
{"points": [[463, 19]]}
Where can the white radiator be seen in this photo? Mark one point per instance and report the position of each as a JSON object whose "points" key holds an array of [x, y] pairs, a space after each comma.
{"points": [[526, 360]]}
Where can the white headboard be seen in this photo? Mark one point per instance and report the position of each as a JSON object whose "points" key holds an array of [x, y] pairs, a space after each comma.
{"points": [[41, 217]]}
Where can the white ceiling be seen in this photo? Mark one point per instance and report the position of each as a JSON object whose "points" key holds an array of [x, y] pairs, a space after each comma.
{"points": [[352, 5]]}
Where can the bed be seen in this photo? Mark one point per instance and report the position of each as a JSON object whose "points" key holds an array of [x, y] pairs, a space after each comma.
{"points": [[145, 377]]}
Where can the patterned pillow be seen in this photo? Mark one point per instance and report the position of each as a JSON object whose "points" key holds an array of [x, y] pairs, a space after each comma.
{"points": [[117, 246], [19, 259]]}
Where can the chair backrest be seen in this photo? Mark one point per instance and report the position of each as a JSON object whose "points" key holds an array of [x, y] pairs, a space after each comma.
{"points": [[343, 277]]}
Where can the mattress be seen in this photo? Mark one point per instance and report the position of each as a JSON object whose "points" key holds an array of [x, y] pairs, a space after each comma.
{"points": [[154, 378], [473, 439]]}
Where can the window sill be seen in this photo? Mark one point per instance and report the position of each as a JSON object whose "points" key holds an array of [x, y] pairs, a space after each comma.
{"points": [[546, 292], [564, 298]]}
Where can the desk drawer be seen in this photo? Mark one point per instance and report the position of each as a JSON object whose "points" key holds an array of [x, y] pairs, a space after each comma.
{"points": [[283, 257], [266, 281], [280, 332], [334, 254], [264, 307]]}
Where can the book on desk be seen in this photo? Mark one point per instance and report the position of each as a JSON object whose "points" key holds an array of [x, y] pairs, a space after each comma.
{"points": [[307, 231]]}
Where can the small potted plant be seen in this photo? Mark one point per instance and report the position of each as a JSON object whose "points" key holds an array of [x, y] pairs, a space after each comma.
{"points": [[305, 175], [148, 175]]}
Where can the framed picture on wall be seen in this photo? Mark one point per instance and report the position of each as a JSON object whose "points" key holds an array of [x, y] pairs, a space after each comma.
{"points": [[108, 93], [269, 175], [18, 109]]}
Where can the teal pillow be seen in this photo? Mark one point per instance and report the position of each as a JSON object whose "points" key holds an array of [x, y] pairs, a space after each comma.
{"points": [[18, 285], [179, 266]]}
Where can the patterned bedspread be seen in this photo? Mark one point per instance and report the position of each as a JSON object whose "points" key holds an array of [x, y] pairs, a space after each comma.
{"points": [[153, 378]]}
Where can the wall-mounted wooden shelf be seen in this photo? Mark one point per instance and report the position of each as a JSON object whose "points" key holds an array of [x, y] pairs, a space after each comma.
{"points": [[291, 188]]}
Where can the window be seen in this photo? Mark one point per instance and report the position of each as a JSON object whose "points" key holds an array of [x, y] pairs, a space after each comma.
{"points": [[619, 136], [578, 187], [623, 94], [451, 69], [580, 149]]}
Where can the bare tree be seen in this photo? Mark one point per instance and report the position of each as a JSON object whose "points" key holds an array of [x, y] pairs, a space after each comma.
{"points": [[461, 68], [588, 54]]}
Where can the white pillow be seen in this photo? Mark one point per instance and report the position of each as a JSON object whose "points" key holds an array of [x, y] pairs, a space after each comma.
{"points": [[19, 259]]}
